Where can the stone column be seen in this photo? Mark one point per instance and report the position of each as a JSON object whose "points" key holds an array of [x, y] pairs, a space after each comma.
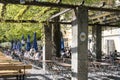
{"points": [[48, 42], [47, 49], [80, 45], [57, 37], [98, 43], [94, 38]]}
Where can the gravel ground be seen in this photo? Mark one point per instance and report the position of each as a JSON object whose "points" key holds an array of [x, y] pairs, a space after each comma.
{"points": [[39, 74], [36, 73]]}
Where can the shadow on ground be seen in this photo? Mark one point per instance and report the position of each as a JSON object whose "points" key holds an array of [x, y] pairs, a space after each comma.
{"points": [[114, 77]]}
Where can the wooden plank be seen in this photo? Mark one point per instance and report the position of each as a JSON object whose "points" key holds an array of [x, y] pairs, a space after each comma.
{"points": [[3, 58], [37, 3], [49, 4], [20, 21], [60, 13], [8, 71], [10, 63], [107, 20], [102, 9], [60, 22], [104, 25], [112, 17], [101, 15], [46, 61], [15, 67], [63, 64], [6, 74]]}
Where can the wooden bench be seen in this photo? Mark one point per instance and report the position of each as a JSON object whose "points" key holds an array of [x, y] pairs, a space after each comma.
{"points": [[9, 70], [12, 73], [10, 67]]}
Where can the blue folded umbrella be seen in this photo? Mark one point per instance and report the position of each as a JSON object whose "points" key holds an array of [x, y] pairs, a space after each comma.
{"points": [[11, 44], [62, 44], [14, 46], [19, 45], [35, 46], [28, 45], [22, 40]]}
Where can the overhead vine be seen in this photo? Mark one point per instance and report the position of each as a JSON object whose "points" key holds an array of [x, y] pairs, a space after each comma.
{"points": [[10, 31]]}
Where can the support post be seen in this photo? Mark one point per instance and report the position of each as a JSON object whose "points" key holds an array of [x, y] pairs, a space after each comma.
{"points": [[47, 55], [57, 37], [98, 43], [48, 42], [94, 39], [80, 45]]}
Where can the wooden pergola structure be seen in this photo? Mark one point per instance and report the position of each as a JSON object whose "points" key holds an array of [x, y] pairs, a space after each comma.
{"points": [[80, 31]]}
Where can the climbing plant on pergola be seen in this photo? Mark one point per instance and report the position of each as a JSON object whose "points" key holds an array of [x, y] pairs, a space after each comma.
{"points": [[13, 12]]}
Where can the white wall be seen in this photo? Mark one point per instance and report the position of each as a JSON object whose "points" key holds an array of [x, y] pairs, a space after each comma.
{"points": [[111, 35]]}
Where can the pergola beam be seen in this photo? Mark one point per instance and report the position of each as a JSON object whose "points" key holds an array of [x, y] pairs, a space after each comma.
{"points": [[52, 22], [33, 21], [60, 13], [113, 22], [104, 25], [100, 24], [100, 15], [49, 4], [37, 3], [102, 9], [70, 23], [19, 21]]}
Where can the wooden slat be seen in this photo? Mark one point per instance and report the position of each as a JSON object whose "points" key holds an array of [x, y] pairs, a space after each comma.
{"points": [[10, 74], [8, 71], [60, 13], [108, 20], [6, 63], [15, 67], [101, 15], [63, 64], [47, 61], [49, 4]]}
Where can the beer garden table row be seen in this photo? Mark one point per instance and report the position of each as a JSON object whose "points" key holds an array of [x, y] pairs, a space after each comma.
{"points": [[10, 67]]}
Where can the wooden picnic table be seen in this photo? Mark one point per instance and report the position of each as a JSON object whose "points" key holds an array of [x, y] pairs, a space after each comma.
{"points": [[10, 67]]}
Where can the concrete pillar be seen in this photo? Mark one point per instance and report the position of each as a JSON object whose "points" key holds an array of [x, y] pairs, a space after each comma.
{"points": [[98, 43], [48, 42], [47, 48], [57, 37], [80, 45]]}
